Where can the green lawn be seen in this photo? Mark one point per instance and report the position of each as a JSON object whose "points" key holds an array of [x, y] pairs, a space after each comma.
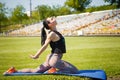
{"points": [[84, 52]]}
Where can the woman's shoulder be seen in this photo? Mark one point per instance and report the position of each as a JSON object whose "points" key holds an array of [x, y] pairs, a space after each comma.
{"points": [[51, 34], [54, 35]]}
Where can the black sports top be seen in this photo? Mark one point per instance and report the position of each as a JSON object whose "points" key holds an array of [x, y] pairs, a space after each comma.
{"points": [[59, 46]]}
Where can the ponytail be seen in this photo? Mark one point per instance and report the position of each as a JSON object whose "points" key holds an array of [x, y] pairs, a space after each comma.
{"points": [[43, 36], [43, 32]]}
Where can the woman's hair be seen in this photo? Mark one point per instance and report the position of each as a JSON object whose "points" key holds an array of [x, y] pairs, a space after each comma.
{"points": [[43, 33]]}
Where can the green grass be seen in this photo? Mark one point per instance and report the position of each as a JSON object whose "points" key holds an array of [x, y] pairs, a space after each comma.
{"points": [[83, 52]]}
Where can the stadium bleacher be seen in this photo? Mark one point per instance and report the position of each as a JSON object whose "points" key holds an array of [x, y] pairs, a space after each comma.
{"points": [[95, 23]]}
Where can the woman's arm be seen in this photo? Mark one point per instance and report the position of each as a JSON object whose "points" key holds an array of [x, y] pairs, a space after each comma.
{"points": [[47, 41]]}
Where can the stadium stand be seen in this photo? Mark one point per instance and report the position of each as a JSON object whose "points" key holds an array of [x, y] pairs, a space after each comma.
{"points": [[95, 23]]}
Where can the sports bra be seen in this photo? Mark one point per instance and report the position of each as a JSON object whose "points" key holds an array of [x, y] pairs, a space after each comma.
{"points": [[59, 46]]}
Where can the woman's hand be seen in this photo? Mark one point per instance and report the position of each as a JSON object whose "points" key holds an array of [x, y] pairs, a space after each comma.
{"points": [[34, 57], [47, 41]]}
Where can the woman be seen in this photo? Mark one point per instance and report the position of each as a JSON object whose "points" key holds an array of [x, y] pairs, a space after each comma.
{"points": [[50, 35]]}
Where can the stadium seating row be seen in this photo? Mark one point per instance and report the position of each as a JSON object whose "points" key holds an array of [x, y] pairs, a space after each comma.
{"points": [[101, 22]]}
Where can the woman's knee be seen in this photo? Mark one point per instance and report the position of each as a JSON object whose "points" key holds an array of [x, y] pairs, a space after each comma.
{"points": [[54, 59]]}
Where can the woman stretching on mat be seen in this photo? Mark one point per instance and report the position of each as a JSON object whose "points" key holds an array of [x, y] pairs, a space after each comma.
{"points": [[50, 35]]}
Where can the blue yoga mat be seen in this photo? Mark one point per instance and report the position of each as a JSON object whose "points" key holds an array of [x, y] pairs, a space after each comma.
{"points": [[96, 74]]}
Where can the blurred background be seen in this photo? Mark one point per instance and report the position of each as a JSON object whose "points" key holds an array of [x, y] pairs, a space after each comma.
{"points": [[74, 17]]}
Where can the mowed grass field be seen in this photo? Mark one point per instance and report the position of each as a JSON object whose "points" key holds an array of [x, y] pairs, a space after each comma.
{"points": [[84, 52]]}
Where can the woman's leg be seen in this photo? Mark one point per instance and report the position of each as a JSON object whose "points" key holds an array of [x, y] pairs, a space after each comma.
{"points": [[45, 66], [68, 68], [46, 63], [28, 70], [63, 66], [42, 68], [54, 59], [13, 70]]}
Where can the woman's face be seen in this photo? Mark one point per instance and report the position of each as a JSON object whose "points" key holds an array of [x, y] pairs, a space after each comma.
{"points": [[52, 21]]}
